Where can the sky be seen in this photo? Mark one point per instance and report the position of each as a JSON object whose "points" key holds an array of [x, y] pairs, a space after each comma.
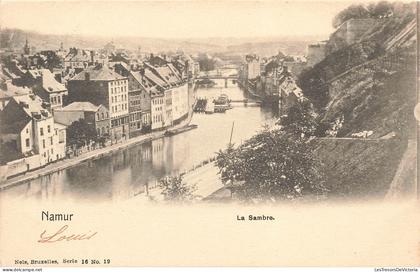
{"points": [[173, 19]]}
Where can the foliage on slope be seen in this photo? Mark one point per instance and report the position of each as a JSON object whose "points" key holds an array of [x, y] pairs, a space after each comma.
{"points": [[374, 98], [339, 59]]}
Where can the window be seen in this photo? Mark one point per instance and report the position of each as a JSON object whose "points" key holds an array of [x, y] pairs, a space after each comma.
{"points": [[27, 142], [59, 99], [43, 143], [52, 151], [27, 130], [97, 115], [41, 131], [51, 139], [49, 128], [103, 116]]}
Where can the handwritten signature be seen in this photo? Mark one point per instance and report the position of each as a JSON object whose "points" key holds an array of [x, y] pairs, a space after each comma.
{"points": [[59, 236]]}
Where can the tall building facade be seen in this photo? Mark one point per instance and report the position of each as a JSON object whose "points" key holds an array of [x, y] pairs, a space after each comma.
{"points": [[100, 85]]}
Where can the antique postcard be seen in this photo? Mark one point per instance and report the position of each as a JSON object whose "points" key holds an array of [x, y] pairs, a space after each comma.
{"points": [[209, 133]]}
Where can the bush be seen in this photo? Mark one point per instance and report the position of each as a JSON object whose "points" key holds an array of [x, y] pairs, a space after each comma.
{"points": [[174, 189]]}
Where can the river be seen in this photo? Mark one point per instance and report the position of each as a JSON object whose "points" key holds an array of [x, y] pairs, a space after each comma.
{"points": [[123, 174]]}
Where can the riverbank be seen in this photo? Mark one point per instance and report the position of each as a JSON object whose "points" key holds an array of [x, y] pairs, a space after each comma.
{"points": [[94, 154], [205, 178]]}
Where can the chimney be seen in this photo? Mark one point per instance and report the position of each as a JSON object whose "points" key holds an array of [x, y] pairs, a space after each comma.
{"points": [[87, 76], [24, 104], [58, 77]]}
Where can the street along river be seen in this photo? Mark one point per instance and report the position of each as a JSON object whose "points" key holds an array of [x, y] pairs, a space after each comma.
{"points": [[124, 173]]}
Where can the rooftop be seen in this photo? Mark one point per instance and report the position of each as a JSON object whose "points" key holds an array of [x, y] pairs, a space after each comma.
{"points": [[80, 106], [77, 55], [12, 90], [169, 74], [154, 78], [98, 73], [49, 83], [20, 111]]}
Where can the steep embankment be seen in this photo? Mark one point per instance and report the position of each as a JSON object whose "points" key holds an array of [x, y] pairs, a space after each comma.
{"points": [[359, 167], [371, 86]]}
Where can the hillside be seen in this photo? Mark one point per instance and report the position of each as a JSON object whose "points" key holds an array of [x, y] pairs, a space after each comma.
{"points": [[15, 38], [357, 168], [369, 85]]}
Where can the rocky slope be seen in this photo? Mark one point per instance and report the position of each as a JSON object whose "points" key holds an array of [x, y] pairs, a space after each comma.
{"points": [[367, 86]]}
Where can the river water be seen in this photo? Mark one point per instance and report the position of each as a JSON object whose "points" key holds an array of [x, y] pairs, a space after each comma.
{"points": [[123, 174]]}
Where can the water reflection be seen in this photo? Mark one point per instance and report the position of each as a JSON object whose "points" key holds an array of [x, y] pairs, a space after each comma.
{"points": [[125, 173]]}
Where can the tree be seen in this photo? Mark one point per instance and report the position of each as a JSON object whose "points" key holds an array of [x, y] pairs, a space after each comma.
{"points": [[271, 165], [174, 189], [351, 12], [380, 9], [300, 120], [276, 163], [80, 133]]}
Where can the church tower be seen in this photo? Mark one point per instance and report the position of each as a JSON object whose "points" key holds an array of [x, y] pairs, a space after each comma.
{"points": [[26, 48]]}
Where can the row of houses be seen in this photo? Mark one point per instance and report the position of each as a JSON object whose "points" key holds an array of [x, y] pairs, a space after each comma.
{"points": [[29, 136], [117, 99], [272, 80], [265, 77]]}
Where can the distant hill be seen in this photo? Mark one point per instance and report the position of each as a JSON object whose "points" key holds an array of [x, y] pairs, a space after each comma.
{"points": [[266, 49], [15, 38]]}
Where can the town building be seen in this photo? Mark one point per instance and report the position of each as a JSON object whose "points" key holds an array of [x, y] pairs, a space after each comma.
{"points": [[157, 109], [26, 48], [44, 84], [140, 102], [289, 93], [252, 67], [29, 137], [78, 59], [139, 88], [315, 53], [295, 64], [8, 91], [109, 47], [95, 116], [102, 86], [159, 113], [176, 93]]}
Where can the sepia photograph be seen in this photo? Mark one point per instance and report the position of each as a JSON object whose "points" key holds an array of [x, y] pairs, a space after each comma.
{"points": [[209, 133]]}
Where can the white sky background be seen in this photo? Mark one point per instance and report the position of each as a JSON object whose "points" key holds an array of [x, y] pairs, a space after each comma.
{"points": [[173, 19]]}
